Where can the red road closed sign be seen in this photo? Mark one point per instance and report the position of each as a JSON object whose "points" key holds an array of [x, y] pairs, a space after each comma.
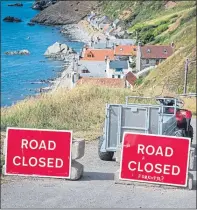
{"points": [[155, 159], [44, 153]]}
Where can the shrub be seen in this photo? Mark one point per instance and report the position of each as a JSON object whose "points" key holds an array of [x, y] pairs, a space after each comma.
{"points": [[160, 29], [147, 37], [139, 81]]}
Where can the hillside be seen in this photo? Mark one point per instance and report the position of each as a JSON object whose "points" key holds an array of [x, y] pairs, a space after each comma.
{"points": [[65, 12], [161, 22]]}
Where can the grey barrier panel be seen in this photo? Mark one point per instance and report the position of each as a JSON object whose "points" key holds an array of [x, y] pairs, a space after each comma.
{"points": [[138, 118]]}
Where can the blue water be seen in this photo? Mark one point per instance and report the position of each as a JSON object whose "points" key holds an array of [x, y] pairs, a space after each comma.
{"points": [[19, 71]]}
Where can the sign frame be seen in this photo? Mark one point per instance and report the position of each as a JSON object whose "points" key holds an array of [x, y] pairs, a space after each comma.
{"points": [[150, 182], [35, 175]]}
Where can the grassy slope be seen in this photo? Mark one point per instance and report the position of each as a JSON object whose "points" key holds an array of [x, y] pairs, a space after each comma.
{"points": [[81, 109], [179, 26]]}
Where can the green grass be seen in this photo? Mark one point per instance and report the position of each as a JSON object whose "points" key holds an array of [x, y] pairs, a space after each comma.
{"points": [[82, 109]]}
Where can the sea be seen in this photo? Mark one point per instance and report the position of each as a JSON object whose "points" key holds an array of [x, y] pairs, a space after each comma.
{"points": [[20, 74]]}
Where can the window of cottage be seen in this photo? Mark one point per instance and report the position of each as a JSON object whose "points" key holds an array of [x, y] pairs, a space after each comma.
{"points": [[147, 61], [112, 76], [148, 51]]}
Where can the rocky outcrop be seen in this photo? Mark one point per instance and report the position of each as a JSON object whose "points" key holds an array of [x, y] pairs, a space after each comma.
{"points": [[12, 19], [31, 24], [59, 51], [15, 5], [43, 4], [65, 12], [18, 52]]}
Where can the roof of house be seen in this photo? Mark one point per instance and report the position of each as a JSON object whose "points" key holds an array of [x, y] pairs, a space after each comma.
{"points": [[106, 27], [125, 41], [156, 51], [116, 21], [95, 68], [109, 82], [118, 64], [131, 78], [102, 45], [98, 54], [125, 50]]}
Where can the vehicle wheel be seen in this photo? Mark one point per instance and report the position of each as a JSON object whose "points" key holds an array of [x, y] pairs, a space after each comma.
{"points": [[107, 156]]}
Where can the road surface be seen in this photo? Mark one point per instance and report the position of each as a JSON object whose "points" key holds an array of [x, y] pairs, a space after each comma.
{"points": [[95, 190]]}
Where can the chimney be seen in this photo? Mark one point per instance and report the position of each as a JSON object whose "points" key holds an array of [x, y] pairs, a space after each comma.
{"points": [[83, 51], [172, 44]]}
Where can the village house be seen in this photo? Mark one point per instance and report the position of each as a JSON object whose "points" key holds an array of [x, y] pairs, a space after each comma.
{"points": [[90, 16], [117, 69], [92, 62], [127, 82], [116, 23], [105, 22], [125, 50], [152, 55]]}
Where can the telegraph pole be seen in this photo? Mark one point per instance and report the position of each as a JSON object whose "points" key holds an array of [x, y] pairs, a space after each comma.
{"points": [[185, 77]]}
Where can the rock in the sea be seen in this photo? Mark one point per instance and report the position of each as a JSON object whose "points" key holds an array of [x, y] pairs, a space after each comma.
{"points": [[42, 4], [58, 49], [12, 19], [31, 24], [15, 5], [18, 52]]}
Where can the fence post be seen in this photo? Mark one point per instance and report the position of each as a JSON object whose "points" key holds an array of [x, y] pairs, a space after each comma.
{"points": [[185, 78]]}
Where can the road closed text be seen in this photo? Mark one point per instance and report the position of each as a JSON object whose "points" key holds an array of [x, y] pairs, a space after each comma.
{"points": [[42, 145], [157, 168]]}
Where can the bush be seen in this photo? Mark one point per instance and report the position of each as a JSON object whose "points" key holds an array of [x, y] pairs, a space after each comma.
{"points": [[160, 29], [139, 81], [147, 37]]}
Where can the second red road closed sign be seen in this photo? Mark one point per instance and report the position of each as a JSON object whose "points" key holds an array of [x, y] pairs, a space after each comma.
{"points": [[44, 153], [155, 159]]}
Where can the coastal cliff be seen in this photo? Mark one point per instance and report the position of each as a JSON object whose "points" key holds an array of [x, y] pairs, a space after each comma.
{"points": [[65, 12]]}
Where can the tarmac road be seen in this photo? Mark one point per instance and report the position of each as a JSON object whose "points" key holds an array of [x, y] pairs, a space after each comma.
{"points": [[95, 190]]}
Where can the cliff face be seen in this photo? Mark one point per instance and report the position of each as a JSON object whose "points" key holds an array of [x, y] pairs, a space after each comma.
{"points": [[65, 12]]}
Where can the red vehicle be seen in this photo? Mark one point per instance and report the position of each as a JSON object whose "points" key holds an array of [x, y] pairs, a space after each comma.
{"points": [[183, 116]]}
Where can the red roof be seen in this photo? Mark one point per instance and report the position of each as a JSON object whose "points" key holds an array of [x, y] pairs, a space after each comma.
{"points": [[125, 50], [108, 82], [131, 78], [156, 51], [98, 54]]}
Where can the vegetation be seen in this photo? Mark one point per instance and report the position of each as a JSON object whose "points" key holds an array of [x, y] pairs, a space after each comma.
{"points": [[83, 108]]}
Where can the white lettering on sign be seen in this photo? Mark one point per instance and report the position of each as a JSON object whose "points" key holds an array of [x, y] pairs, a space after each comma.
{"points": [[173, 170], [14, 161], [131, 169], [151, 150], [157, 168], [148, 167], [41, 162], [34, 144]]}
